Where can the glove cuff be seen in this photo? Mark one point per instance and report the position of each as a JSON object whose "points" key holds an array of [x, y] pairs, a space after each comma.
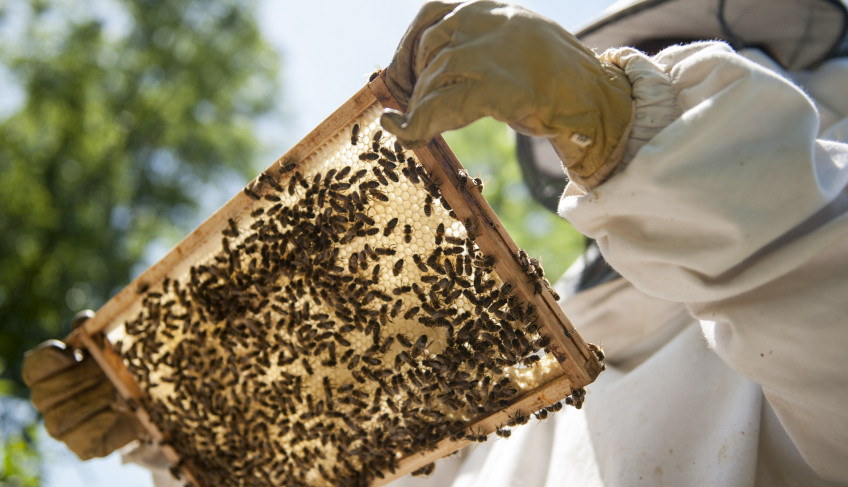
{"points": [[592, 154]]}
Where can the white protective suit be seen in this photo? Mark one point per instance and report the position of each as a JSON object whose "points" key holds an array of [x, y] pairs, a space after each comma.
{"points": [[732, 201]]}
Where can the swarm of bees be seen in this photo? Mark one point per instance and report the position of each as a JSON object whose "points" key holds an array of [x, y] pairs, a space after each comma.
{"points": [[347, 320]]}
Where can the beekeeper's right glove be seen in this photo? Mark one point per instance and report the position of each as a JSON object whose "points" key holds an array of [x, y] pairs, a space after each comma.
{"points": [[460, 62]]}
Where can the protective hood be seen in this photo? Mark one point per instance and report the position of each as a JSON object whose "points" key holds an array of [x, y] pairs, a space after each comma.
{"points": [[795, 33]]}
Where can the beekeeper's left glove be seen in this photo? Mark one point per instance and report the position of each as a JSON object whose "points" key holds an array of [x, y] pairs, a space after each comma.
{"points": [[77, 401]]}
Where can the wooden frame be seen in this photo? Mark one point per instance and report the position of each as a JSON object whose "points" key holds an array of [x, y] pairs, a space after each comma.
{"points": [[580, 365]]}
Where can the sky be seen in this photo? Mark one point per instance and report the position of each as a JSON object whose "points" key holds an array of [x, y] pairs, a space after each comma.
{"points": [[328, 50]]}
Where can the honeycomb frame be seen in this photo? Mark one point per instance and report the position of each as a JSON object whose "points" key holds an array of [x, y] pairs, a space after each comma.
{"points": [[470, 219]]}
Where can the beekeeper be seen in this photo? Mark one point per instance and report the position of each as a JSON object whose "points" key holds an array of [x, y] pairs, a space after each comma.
{"points": [[708, 178], [713, 183]]}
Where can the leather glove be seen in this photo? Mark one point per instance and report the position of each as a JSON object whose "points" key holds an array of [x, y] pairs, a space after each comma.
{"points": [[77, 401], [460, 62]]}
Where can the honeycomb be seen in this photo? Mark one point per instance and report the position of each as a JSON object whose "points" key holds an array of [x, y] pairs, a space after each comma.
{"points": [[344, 320]]}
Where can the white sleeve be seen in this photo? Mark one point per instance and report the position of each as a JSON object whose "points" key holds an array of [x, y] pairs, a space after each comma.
{"points": [[728, 202], [150, 457]]}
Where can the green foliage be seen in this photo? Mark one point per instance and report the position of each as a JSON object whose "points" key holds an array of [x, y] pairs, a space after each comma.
{"points": [[125, 123], [487, 149], [19, 459]]}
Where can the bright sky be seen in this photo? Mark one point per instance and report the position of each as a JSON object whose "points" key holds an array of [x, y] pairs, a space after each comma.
{"points": [[328, 50]]}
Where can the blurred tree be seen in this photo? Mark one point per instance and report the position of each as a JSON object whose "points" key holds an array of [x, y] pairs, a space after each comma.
{"points": [[19, 460], [487, 149], [127, 113], [131, 109]]}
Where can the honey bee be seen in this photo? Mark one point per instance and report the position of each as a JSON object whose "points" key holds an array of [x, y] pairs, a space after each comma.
{"points": [[175, 472], [410, 313], [470, 228], [390, 156], [353, 262], [379, 175], [430, 279], [387, 343], [271, 182], [597, 351], [531, 360], [293, 183], [401, 289], [391, 174], [342, 340], [358, 377], [379, 195], [422, 343], [433, 262], [440, 233], [385, 251], [503, 432], [487, 263], [420, 263], [518, 419], [410, 174], [329, 177], [402, 358], [524, 260], [232, 229], [404, 340], [456, 241], [354, 134], [368, 185], [462, 174], [357, 176], [253, 195], [390, 226], [287, 167], [425, 470], [306, 366], [542, 342]]}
